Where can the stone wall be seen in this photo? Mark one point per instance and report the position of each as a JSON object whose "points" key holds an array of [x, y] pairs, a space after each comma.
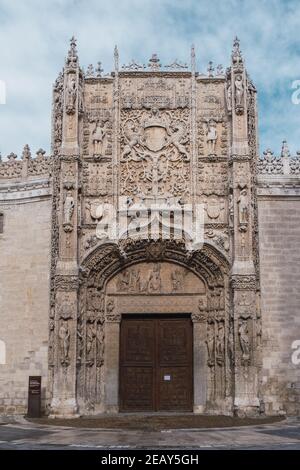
{"points": [[24, 296], [279, 238]]}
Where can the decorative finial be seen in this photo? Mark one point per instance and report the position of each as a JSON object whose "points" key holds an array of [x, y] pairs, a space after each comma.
{"points": [[90, 71], [220, 70], [154, 63], [40, 153], [236, 52], [210, 69], [72, 58], [116, 56], [285, 149], [12, 157], [193, 59], [26, 154], [133, 65], [99, 69]]}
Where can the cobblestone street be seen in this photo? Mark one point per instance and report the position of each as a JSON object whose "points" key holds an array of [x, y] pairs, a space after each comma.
{"points": [[283, 435]]}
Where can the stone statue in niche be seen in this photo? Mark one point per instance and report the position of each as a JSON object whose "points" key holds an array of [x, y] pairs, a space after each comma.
{"points": [[58, 128], [68, 211], [211, 137], [98, 138], [243, 210], [51, 343], [71, 96], [220, 344], [239, 94], [210, 343], [79, 341], [244, 339], [100, 344], [177, 280], [229, 97], [154, 282], [64, 342], [91, 334], [230, 344]]}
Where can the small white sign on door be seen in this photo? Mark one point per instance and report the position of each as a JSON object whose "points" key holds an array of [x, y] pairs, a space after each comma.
{"points": [[167, 378]]}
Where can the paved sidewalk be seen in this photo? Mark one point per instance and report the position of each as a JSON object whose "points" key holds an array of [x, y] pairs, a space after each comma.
{"points": [[27, 435]]}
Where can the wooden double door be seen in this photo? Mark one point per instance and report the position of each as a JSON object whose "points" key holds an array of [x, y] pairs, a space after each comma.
{"points": [[156, 363]]}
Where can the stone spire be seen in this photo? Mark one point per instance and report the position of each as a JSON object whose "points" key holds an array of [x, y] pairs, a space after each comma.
{"points": [[193, 59], [26, 155], [116, 57], [72, 57], [236, 55], [285, 149]]}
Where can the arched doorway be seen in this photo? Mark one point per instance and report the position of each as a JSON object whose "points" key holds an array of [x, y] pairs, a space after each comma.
{"points": [[154, 284]]}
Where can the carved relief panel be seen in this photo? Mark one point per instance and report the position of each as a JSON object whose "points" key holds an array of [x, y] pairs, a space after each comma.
{"points": [[155, 153], [97, 178], [97, 124], [212, 123], [156, 278], [155, 92], [213, 178], [155, 135]]}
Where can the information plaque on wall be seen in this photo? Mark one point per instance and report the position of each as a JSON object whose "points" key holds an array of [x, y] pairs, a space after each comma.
{"points": [[34, 396]]}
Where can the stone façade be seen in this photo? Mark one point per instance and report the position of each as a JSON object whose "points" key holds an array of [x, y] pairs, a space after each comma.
{"points": [[181, 137]]}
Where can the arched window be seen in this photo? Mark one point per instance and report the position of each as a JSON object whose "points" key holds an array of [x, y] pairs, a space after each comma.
{"points": [[2, 352]]}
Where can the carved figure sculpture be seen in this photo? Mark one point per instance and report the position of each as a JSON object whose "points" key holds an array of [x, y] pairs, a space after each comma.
{"points": [[154, 282], [98, 137], [211, 136], [243, 208], [244, 339], [68, 208], [64, 341], [239, 90], [210, 343], [71, 96]]}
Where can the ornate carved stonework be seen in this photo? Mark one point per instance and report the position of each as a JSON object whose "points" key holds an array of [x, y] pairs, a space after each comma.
{"points": [[97, 178], [154, 156], [151, 132]]}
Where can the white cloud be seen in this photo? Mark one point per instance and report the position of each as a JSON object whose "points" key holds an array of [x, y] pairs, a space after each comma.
{"points": [[34, 40]]}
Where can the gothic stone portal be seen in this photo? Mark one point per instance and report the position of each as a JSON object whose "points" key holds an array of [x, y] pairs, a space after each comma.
{"points": [[153, 297]]}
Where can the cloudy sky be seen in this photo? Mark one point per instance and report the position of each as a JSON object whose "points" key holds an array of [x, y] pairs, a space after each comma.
{"points": [[34, 37]]}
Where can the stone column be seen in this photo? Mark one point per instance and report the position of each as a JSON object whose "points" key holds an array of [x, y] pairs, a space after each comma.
{"points": [[243, 277], [112, 345], [66, 273], [200, 361]]}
